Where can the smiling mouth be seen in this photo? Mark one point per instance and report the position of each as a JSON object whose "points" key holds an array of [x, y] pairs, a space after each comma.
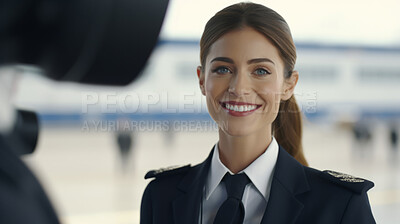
{"points": [[239, 107]]}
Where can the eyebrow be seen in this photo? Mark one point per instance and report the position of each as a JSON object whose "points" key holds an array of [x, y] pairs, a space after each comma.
{"points": [[251, 61], [224, 59], [258, 60]]}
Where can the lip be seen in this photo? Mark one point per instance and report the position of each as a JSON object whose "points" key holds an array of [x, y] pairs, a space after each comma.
{"points": [[237, 113]]}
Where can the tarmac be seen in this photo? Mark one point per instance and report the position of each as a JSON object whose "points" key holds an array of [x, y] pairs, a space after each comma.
{"points": [[89, 182]]}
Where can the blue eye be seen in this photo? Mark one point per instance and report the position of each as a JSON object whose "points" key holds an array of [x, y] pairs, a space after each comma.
{"points": [[221, 70], [261, 72]]}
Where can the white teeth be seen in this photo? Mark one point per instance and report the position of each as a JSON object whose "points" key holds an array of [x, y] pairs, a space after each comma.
{"points": [[240, 108]]}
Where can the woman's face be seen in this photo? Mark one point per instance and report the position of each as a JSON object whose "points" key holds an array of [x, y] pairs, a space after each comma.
{"points": [[243, 82]]}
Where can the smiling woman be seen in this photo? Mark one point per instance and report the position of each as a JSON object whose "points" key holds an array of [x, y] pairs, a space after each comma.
{"points": [[250, 74], [257, 172]]}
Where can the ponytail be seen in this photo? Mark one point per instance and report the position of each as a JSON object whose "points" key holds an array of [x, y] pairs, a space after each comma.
{"points": [[287, 129]]}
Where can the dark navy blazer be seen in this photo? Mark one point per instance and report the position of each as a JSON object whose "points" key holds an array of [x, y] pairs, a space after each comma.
{"points": [[299, 194], [22, 199]]}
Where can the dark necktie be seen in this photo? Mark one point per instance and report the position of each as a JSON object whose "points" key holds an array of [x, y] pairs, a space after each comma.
{"points": [[232, 210]]}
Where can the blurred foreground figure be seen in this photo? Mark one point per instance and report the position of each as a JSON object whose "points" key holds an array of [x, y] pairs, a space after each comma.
{"points": [[103, 42]]}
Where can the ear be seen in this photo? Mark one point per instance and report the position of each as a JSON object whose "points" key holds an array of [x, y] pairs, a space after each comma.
{"points": [[289, 84], [200, 75]]}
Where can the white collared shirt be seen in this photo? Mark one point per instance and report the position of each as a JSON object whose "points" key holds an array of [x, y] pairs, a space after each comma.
{"points": [[256, 193]]}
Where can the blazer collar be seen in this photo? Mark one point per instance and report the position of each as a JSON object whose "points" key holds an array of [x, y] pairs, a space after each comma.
{"points": [[187, 204], [289, 180]]}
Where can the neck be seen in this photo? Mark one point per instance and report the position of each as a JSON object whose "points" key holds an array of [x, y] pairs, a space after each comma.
{"points": [[238, 152], [7, 111]]}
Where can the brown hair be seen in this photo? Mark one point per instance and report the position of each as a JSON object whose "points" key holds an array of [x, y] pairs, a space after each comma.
{"points": [[287, 127]]}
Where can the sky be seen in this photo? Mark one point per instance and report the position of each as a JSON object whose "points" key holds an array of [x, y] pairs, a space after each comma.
{"points": [[360, 22]]}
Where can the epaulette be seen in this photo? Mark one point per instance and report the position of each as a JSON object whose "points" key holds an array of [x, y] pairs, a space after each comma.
{"points": [[358, 185], [166, 171]]}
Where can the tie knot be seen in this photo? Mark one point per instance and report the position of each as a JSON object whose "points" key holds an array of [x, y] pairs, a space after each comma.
{"points": [[235, 184]]}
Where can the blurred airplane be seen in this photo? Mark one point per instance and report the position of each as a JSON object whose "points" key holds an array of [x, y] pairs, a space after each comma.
{"points": [[350, 86]]}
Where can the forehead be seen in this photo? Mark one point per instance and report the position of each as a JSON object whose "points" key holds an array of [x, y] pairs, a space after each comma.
{"points": [[244, 44]]}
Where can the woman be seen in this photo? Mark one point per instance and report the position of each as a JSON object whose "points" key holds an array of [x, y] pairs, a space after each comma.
{"points": [[257, 172]]}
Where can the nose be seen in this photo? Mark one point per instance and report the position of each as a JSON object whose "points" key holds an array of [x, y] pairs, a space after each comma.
{"points": [[239, 84]]}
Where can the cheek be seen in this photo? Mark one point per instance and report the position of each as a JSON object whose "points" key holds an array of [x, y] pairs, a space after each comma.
{"points": [[272, 102], [215, 87], [271, 91]]}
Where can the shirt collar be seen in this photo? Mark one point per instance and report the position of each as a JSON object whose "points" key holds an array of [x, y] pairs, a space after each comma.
{"points": [[217, 172], [259, 171]]}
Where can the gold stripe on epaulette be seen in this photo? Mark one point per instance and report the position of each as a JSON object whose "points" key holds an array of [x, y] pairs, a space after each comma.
{"points": [[166, 169], [345, 177]]}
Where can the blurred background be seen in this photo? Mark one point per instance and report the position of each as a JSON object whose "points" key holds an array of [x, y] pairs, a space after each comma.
{"points": [[97, 143]]}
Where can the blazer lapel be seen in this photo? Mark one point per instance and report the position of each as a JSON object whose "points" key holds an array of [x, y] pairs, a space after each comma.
{"points": [[187, 204], [289, 180]]}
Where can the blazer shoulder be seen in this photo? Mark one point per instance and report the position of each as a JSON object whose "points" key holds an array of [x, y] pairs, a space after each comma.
{"points": [[167, 171], [349, 182]]}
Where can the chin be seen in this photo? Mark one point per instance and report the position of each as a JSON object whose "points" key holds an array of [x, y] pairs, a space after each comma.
{"points": [[236, 131]]}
